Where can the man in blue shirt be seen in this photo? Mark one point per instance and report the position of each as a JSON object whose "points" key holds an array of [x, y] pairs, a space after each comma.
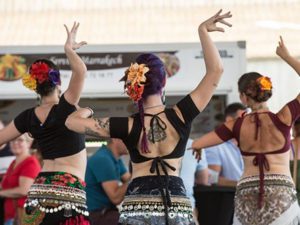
{"points": [[226, 158], [106, 182]]}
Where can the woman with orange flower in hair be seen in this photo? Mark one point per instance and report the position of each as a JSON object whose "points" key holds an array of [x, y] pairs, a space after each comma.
{"points": [[57, 195], [156, 136], [266, 193]]}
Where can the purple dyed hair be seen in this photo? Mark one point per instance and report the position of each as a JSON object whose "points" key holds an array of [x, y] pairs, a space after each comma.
{"points": [[155, 81]]}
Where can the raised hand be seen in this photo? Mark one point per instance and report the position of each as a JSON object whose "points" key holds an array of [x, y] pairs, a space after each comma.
{"points": [[71, 38], [210, 25], [281, 50]]}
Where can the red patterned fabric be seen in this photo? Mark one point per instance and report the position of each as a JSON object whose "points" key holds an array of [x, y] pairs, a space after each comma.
{"points": [[78, 220]]}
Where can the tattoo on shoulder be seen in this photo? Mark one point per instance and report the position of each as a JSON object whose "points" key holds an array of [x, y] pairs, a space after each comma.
{"points": [[101, 123], [90, 132]]}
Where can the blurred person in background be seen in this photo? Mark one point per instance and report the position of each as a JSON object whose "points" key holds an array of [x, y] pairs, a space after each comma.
{"points": [[6, 157], [18, 179], [106, 182], [51, 198], [225, 159]]}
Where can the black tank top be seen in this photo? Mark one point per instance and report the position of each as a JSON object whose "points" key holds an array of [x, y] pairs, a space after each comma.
{"points": [[119, 129]]}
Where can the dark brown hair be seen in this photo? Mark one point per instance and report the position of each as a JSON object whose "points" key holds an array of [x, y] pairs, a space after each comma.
{"points": [[248, 84], [47, 87]]}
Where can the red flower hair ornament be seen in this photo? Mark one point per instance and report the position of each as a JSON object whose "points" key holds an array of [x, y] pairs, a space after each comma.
{"points": [[39, 73]]}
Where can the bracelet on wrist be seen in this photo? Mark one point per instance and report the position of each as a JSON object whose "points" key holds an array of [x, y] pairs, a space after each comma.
{"points": [[92, 111]]}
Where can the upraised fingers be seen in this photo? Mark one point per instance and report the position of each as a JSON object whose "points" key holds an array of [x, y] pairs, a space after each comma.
{"points": [[82, 43], [281, 42], [74, 26], [226, 15], [225, 22], [218, 13], [67, 29]]}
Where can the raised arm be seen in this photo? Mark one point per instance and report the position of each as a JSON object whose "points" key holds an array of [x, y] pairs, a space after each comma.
{"points": [[283, 53], [72, 94], [214, 67], [80, 122]]}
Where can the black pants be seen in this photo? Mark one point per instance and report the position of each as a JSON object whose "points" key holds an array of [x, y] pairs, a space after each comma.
{"points": [[104, 217], [1, 211]]}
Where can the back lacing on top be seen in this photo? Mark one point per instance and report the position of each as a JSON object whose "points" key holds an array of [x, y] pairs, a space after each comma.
{"points": [[260, 159], [119, 129], [163, 184], [156, 120]]}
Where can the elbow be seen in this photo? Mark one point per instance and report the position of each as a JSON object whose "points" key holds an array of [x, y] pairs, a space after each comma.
{"points": [[82, 70], [23, 191], [116, 200], [216, 70], [69, 122]]}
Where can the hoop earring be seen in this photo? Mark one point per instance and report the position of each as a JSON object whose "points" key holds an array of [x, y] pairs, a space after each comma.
{"points": [[163, 97]]}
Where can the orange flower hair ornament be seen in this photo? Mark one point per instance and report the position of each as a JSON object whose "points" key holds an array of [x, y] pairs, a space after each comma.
{"points": [[135, 80], [265, 83]]}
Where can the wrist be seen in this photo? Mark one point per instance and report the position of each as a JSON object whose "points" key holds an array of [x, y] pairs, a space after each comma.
{"points": [[202, 29], [68, 49], [91, 112]]}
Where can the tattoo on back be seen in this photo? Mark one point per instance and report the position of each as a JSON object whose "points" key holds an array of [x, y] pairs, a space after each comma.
{"points": [[157, 132]]}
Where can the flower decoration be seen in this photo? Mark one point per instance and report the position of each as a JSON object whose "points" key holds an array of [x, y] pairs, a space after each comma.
{"points": [[265, 83], [54, 76], [39, 73], [135, 80], [29, 82]]}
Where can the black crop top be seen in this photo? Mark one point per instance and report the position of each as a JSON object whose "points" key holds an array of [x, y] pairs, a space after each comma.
{"points": [[119, 129], [53, 138]]}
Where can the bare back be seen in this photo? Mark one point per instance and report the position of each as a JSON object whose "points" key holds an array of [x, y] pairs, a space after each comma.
{"points": [[269, 134]]}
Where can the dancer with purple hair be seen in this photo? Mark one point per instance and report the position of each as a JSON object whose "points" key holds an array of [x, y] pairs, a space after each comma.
{"points": [[156, 136]]}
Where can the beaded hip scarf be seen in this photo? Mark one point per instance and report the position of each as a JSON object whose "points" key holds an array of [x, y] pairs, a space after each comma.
{"points": [[147, 207], [55, 192], [279, 196]]}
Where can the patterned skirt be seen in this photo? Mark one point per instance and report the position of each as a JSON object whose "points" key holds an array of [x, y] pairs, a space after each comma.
{"points": [[56, 198], [279, 206], [143, 203]]}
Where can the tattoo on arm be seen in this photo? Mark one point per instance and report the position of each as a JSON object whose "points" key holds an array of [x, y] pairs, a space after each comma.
{"points": [[100, 123], [90, 132]]}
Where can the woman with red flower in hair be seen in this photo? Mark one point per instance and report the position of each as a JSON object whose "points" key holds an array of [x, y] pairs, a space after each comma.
{"points": [[57, 195], [156, 135], [266, 193]]}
